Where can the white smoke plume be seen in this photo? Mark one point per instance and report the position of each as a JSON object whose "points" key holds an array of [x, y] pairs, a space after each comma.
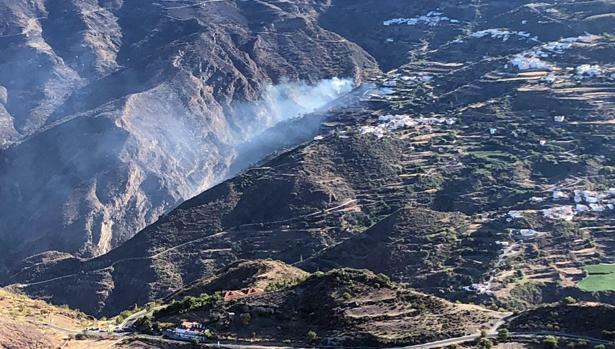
{"points": [[288, 100]]}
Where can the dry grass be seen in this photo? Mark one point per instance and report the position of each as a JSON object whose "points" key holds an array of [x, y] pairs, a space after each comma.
{"points": [[26, 323]]}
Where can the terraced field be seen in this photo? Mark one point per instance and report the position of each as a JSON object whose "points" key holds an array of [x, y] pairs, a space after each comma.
{"points": [[600, 277]]}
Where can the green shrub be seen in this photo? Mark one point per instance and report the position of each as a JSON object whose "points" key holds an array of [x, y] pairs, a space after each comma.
{"points": [[569, 300], [503, 334], [550, 342], [284, 284], [383, 278], [484, 343], [311, 336], [209, 334], [245, 318], [188, 304]]}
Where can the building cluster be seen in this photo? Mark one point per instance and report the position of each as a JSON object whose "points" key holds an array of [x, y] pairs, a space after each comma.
{"points": [[196, 331], [389, 123], [187, 331], [432, 18]]}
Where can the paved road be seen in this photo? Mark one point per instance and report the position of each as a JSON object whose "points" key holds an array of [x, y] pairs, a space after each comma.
{"points": [[130, 321], [444, 343], [513, 335], [560, 335], [491, 333]]}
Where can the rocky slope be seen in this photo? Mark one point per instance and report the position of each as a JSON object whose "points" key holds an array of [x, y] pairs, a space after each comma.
{"points": [[113, 112], [458, 170]]}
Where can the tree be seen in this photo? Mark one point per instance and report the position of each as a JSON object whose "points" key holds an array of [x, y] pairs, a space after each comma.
{"points": [[146, 325], [245, 318], [569, 300], [600, 346], [550, 342], [503, 334], [311, 336], [209, 334], [485, 343]]}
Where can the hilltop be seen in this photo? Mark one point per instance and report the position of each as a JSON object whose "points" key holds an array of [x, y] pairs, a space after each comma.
{"points": [[343, 308], [260, 274]]}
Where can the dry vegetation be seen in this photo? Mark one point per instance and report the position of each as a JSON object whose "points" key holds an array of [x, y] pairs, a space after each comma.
{"points": [[31, 324]]}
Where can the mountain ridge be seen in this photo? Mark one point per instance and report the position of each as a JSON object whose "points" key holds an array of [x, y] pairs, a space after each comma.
{"points": [[159, 115]]}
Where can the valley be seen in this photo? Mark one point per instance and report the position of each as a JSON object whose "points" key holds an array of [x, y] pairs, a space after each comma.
{"points": [[451, 175]]}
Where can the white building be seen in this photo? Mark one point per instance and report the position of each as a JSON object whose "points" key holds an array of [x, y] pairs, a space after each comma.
{"points": [[560, 195]]}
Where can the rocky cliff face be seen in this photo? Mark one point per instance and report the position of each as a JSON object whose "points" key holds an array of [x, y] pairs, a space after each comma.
{"points": [[112, 112]]}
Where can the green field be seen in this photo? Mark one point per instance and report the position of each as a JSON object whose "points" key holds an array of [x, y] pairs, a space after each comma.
{"points": [[599, 277]]}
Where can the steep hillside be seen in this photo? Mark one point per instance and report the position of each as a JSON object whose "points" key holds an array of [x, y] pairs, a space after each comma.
{"points": [[594, 320], [33, 324], [425, 248], [25, 323], [479, 170], [113, 112], [343, 308]]}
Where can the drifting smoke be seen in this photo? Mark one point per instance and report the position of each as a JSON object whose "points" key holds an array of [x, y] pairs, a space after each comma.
{"points": [[118, 168], [287, 114], [287, 101]]}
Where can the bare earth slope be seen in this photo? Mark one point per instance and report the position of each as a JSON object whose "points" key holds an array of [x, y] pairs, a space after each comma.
{"points": [[24, 323]]}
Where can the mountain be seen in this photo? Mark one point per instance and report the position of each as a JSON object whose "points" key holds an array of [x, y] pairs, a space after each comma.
{"points": [[479, 170], [114, 112]]}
